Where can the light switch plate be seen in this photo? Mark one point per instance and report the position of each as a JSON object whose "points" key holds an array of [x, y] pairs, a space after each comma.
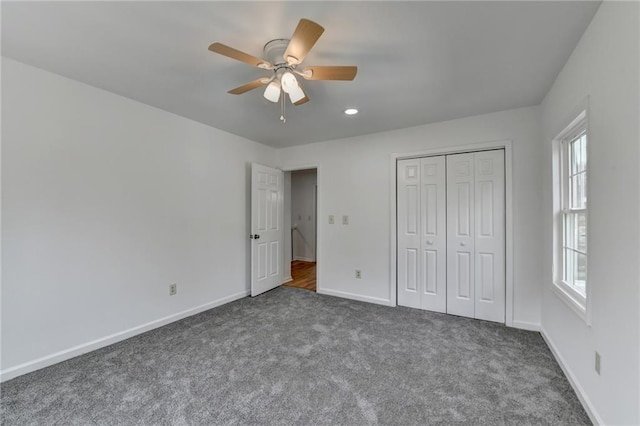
{"points": [[345, 220], [331, 219]]}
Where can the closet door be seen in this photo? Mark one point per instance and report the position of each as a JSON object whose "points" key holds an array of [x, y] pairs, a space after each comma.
{"points": [[408, 214], [489, 236], [433, 229], [460, 235], [422, 240], [451, 234]]}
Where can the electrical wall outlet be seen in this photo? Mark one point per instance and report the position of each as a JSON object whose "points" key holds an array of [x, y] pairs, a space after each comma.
{"points": [[173, 289], [358, 274], [597, 363], [331, 219]]}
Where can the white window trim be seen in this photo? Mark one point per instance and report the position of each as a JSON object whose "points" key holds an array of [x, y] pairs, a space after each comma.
{"points": [[575, 301]]}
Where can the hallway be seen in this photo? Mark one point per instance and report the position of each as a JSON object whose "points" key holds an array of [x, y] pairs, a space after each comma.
{"points": [[304, 275]]}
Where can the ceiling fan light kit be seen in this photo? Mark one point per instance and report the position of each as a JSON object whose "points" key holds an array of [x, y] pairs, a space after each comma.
{"points": [[288, 82], [282, 56], [272, 92], [296, 95]]}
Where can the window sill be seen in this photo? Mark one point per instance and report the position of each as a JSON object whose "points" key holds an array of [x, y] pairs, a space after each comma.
{"points": [[575, 301]]}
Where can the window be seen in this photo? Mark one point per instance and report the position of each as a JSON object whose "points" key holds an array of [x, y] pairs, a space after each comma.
{"points": [[574, 212], [571, 201]]}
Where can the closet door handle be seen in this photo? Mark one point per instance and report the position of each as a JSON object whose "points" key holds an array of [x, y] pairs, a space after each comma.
{"points": [[463, 244], [430, 242]]}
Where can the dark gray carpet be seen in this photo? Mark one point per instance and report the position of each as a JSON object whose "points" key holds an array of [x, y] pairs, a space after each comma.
{"points": [[294, 357]]}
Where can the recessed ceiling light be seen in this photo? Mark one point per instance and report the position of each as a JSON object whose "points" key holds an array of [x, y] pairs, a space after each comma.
{"points": [[351, 111]]}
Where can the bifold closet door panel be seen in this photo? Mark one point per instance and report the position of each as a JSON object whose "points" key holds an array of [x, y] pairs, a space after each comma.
{"points": [[490, 236], [460, 235], [408, 232], [433, 230], [422, 233]]}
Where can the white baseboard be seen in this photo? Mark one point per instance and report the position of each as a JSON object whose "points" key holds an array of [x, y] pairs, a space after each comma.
{"points": [[582, 396], [525, 325], [352, 296], [304, 259], [287, 279], [75, 351]]}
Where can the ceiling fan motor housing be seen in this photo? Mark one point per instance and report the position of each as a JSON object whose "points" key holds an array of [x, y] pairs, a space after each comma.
{"points": [[274, 52]]}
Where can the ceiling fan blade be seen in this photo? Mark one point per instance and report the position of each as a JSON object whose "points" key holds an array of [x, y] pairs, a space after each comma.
{"points": [[249, 86], [304, 37], [302, 101], [330, 73], [232, 53]]}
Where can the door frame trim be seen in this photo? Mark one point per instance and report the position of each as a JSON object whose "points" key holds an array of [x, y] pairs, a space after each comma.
{"points": [[318, 222], [507, 145]]}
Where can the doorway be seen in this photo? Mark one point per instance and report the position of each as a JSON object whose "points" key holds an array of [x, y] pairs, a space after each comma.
{"points": [[301, 201]]}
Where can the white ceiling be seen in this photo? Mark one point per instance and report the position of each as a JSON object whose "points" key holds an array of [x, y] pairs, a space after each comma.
{"points": [[419, 62]]}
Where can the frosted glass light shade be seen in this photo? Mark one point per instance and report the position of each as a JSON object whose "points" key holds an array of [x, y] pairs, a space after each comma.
{"points": [[296, 94], [289, 82], [272, 92]]}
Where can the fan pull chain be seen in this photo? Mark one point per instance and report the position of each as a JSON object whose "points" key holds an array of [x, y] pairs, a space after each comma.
{"points": [[282, 116]]}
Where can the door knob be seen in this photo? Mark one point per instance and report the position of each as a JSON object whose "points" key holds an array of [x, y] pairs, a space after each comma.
{"points": [[254, 237], [463, 244], [430, 242]]}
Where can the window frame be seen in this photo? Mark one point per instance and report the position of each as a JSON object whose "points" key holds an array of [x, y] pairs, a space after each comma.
{"points": [[576, 127]]}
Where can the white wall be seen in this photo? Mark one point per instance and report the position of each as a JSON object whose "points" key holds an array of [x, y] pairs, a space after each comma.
{"points": [[354, 179], [604, 66], [105, 202], [303, 215]]}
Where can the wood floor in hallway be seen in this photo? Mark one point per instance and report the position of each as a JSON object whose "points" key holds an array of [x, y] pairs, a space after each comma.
{"points": [[303, 274]]}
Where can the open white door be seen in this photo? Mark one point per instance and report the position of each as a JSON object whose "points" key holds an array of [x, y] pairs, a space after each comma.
{"points": [[267, 222]]}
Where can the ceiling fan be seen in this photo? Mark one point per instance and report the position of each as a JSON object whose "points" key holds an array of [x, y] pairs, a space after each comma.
{"points": [[282, 57]]}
